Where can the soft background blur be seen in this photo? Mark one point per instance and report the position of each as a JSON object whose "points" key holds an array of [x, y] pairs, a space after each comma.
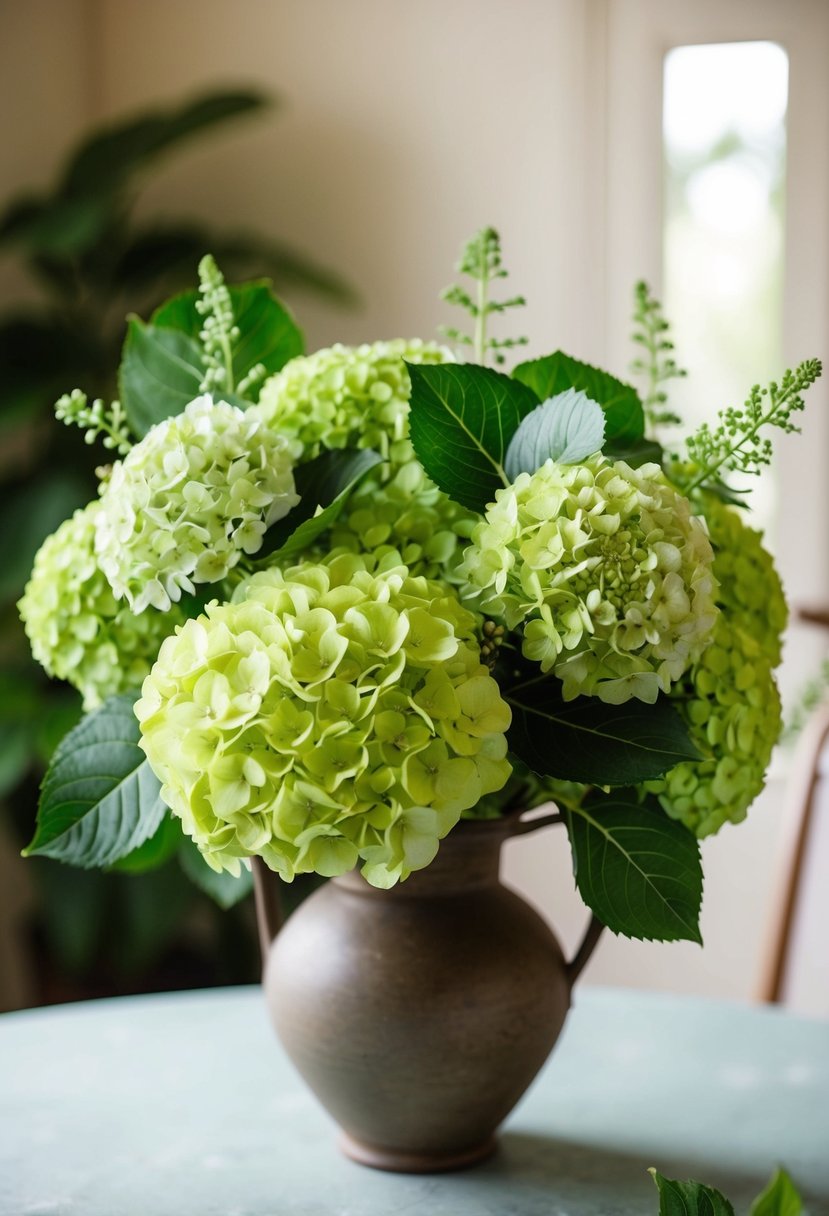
{"points": [[607, 140]]}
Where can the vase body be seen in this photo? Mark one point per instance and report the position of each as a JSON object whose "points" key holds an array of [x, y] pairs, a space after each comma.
{"points": [[420, 1015]]}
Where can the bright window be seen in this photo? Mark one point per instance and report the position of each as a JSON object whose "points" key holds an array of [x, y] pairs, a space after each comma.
{"points": [[724, 155]]}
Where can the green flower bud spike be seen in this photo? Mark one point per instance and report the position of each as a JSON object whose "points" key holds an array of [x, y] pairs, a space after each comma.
{"points": [[481, 261]]}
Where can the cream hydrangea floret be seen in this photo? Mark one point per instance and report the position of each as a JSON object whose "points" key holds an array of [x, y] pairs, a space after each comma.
{"points": [[729, 699], [77, 629], [607, 571], [196, 493], [333, 713]]}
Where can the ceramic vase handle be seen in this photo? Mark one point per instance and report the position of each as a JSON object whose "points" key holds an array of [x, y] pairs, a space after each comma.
{"points": [[269, 913], [594, 929], [586, 947]]}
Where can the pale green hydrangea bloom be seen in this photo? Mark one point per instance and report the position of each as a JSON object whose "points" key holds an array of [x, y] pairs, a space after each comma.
{"points": [[349, 397], [729, 699], [77, 629], [189, 500], [333, 713], [607, 571], [359, 397], [406, 515]]}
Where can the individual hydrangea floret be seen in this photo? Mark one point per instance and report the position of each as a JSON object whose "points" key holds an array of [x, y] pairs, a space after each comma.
{"points": [[189, 500], [729, 699], [349, 397], [77, 629], [606, 570], [333, 713]]}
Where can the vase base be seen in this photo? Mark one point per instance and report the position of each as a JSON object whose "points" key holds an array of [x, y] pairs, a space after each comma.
{"points": [[415, 1163]]}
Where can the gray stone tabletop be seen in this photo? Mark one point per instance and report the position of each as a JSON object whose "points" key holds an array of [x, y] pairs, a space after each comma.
{"points": [[184, 1105]]}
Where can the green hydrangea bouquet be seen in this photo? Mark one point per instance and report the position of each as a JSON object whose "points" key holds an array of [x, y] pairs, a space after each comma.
{"points": [[327, 606]]}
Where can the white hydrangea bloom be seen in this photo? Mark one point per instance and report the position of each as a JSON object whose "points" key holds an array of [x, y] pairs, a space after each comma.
{"points": [[196, 493]]}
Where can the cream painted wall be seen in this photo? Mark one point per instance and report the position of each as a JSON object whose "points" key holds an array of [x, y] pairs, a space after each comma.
{"points": [[406, 125]]}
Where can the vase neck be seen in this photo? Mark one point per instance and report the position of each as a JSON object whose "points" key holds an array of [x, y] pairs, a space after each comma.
{"points": [[468, 858]]}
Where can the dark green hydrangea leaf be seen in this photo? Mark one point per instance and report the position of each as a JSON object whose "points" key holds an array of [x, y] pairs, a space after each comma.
{"points": [[268, 333], [100, 799], [624, 414], [462, 418], [637, 870], [324, 486], [689, 1198], [161, 373], [587, 740]]}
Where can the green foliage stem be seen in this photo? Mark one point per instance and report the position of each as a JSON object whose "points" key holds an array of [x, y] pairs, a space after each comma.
{"points": [[656, 363], [738, 443], [481, 261]]}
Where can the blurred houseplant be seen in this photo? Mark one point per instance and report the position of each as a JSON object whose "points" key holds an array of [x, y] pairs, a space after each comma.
{"points": [[93, 261]]}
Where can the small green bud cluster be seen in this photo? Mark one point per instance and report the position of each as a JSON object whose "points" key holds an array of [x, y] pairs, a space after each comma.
{"points": [[491, 642], [605, 569], [73, 409], [738, 443], [77, 629], [333, 712], [729, 699], [198, 492]]}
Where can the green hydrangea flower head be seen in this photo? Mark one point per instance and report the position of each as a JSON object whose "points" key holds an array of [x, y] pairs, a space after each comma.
{"points": [[196, 493], [77, 629], [606, 570], [334, 712], [359, 397], [349, 396], [406, 515], [750, 586], [729, 699]]}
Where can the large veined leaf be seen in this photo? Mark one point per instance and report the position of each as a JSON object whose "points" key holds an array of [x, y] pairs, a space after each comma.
{"points": [[324, 485], [780, 1198], [100, 799], [624, 415], [689, 1198], [268, 333], [223, 888], [585, 740], [161, 372], [462, 418], [636, 869]]}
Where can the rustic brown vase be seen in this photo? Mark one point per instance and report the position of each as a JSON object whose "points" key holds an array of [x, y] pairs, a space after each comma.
{"points": [[419, 1015]]}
